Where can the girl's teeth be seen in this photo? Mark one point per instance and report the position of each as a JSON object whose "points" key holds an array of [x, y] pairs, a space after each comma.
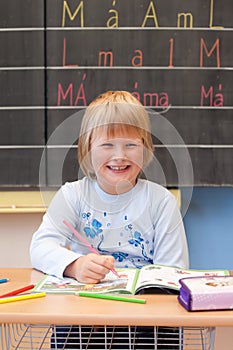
{"points": [[118, 167]]}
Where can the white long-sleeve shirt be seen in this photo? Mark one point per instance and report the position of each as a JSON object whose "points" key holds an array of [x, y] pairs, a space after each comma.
{"points": [[142, 226]]}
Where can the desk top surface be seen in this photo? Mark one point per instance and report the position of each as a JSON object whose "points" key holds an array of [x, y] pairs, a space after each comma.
{"points": [[69, 309]]}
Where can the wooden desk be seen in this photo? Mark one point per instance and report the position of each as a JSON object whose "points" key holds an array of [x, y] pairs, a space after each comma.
{"points": [[163, 310], [30, 324]]}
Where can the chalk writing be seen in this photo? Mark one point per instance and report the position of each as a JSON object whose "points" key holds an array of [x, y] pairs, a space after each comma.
{"points": [[76, 13], [209, 52], [80, 96], [211, 98], [186, 19], [182, 19], [72, 17], [151, 99], [137, 60], [214, 47], [151, 15], [107, 58], [171, 53], [64, 55], [113, 21], [77, 97], [211, 25]]}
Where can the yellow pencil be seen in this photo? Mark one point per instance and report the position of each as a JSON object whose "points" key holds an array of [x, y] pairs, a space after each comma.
{"points": [[22, 297]]}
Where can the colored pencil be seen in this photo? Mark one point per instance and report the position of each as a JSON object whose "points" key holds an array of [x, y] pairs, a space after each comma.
{"points": [[17, 291], [4, 280], [111, 297], [22, 297], [82, 239]]}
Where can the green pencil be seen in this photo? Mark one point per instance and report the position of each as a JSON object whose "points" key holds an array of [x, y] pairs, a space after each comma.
{"points": [[111, 297]]}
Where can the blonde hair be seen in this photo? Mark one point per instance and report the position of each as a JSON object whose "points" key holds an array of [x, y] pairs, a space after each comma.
{"points": [[113, 110]]}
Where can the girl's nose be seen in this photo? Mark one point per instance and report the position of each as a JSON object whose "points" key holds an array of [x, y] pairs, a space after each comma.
{"points": [[119, 151]]}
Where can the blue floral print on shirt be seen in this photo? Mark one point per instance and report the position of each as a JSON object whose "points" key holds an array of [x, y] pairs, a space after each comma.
{"points": [[94, 229], [137, 241]]}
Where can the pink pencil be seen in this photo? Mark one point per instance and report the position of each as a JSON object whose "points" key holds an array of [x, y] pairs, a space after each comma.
{"points": [[80, 237]]}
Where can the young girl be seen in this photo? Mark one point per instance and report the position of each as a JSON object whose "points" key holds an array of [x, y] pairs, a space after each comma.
{"points": [[131, 222]]}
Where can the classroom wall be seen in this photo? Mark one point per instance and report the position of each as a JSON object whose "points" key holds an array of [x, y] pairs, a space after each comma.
{"points": [[209, 227], [15, 233]]}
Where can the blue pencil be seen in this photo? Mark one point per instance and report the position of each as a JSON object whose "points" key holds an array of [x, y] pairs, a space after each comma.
{"points": [[4, 280]]}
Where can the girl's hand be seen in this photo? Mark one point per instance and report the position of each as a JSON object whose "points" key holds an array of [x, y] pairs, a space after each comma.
{"points": [[90, 268]]}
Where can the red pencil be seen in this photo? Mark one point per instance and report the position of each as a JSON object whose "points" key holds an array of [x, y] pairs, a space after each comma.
{"points": [[17, 291], [77, 234]]}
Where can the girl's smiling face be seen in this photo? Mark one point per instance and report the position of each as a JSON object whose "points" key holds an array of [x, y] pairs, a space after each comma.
{"points": [[117, 158]]}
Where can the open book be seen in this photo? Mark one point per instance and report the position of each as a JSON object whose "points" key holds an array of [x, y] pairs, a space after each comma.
{"points": [[149, 279]]}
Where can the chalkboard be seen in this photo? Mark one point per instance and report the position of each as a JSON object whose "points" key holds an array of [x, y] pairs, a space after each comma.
{"points": [[174, 56], [22, 86]]}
